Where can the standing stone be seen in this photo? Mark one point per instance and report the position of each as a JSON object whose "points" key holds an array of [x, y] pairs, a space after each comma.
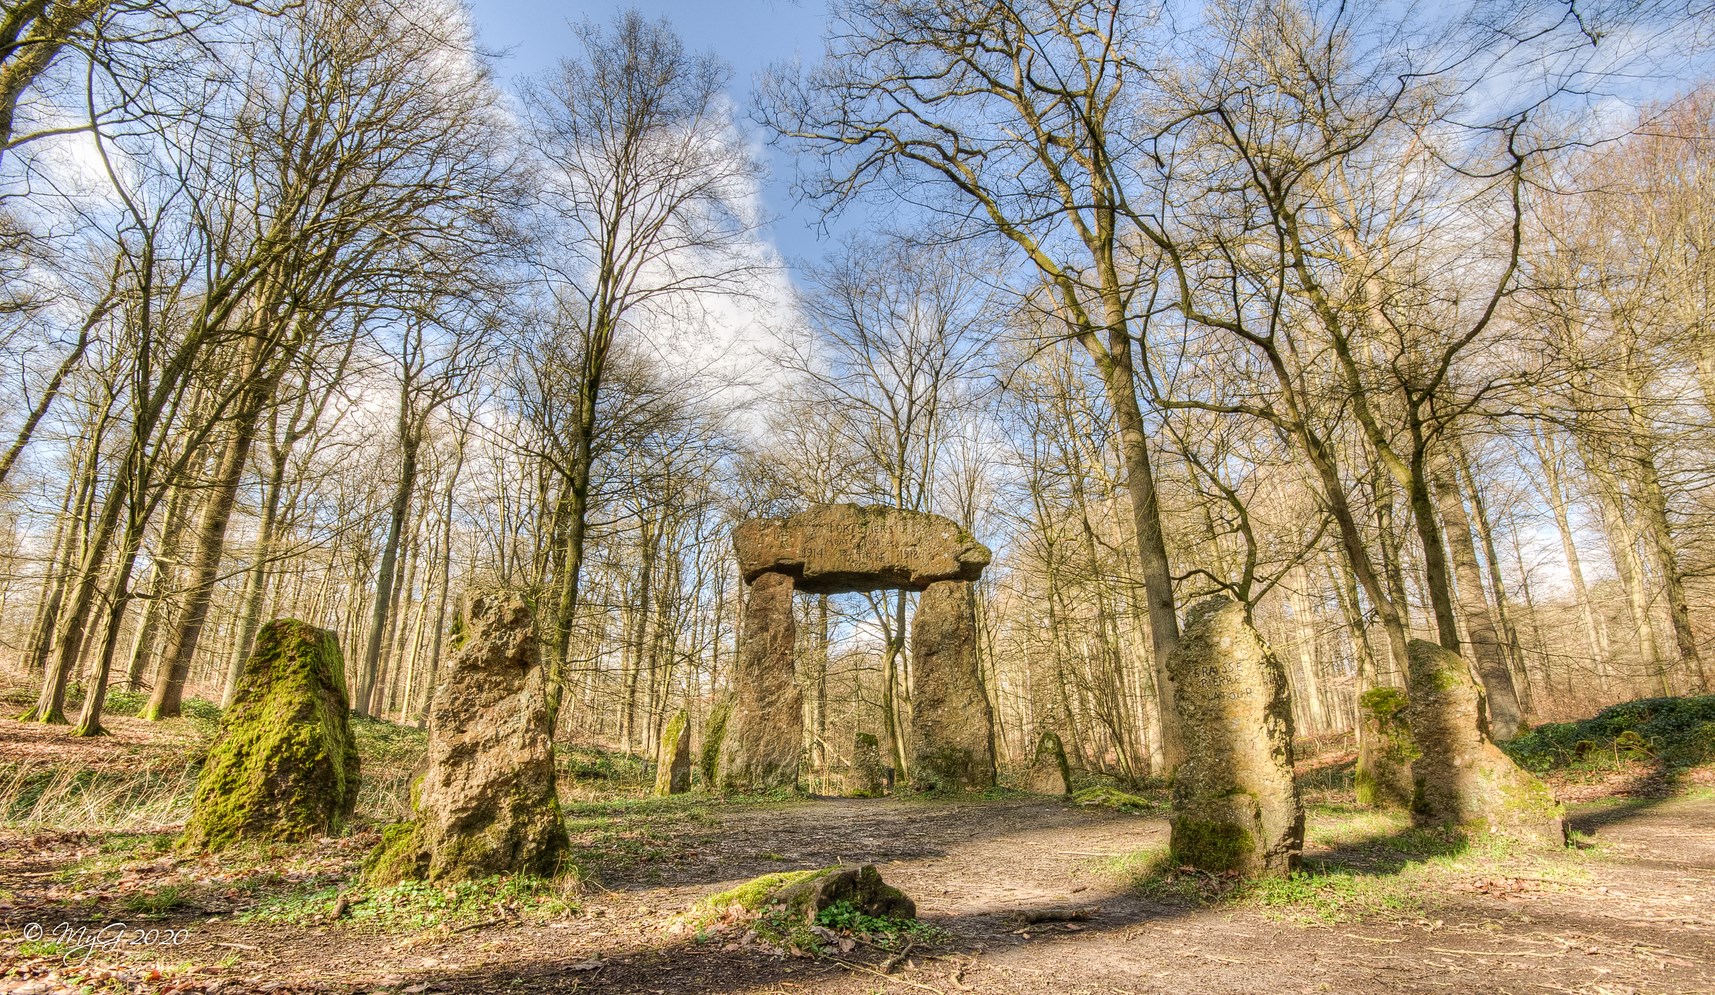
{"points": [[673, 776], [1049, 773], [952, 726], [714, 734], [486, 804], [868, 774], [765, 735], [1461, 778], [1235, 806], [837, 548], [1385, 749], [285, 764]]}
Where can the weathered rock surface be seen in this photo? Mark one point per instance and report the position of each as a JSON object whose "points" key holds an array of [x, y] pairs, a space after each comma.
{"points": [[673, 776], [1460, 777], [1050, 773], [1235, 806], [951, 723], [765, 733], [1385, 748], [841, 548], [486, 804], [868, 775], [714, 736], [861, 886], [285, 765]]}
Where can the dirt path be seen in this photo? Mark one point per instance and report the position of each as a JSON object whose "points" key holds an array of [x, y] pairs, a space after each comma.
{"points": [[1638, 916]]}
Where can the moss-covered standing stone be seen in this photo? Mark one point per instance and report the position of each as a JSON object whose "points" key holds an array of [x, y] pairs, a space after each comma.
{"points": [[714, 735], [285, 765], [1235, 805], [952, 726], [1385, 749], [1050, 773], [486, 803], [868, 774], [1460, 777], [673, 776]]}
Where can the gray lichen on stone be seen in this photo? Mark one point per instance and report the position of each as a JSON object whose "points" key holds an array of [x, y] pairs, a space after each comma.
{"points": [[487, 802]]}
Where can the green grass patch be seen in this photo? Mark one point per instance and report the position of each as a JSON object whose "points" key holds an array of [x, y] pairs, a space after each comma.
{"points": [[592, 767], [42, 948], [391, 757], [415, 906], [1361, 863], [160, 901]]}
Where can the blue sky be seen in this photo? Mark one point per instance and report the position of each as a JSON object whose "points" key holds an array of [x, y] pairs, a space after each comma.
{"points": [[749, 34]]}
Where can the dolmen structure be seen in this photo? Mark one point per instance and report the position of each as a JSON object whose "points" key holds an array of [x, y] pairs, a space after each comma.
{"points": [[847, 548]]}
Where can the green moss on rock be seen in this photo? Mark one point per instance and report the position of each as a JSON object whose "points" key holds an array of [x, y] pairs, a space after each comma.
{"points": [[1212, 846], [673, 775], [1385, 748], [285, 764], [714, 733]]}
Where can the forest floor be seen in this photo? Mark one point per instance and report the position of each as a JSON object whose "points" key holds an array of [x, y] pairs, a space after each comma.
{"points": [[1380, 907]]}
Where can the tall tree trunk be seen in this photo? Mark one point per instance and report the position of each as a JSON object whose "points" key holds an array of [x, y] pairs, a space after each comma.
{"points": [[61, 560], [89, 720], [75, 617], [1594, 633], [446, 565], [163, 579], [409, 442], [1120, 381], [1487, 650], [174, 665], [1497, 583]]}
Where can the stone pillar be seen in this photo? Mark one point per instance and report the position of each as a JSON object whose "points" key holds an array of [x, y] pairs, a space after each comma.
{"points": [[765, 733], [486, 803], [673, 776], [1235, 806], [1460, 777], [951, 724], [1049, 773], [868, 774], [1385, 748]]}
